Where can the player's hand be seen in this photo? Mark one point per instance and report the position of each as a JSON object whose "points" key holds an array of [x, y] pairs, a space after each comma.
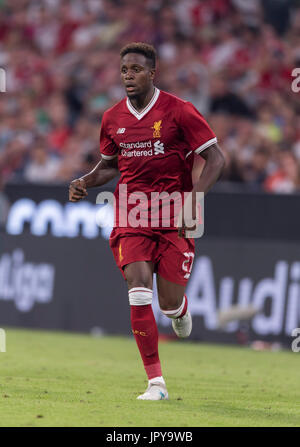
{"points": [[187, 217], [184, 228], [77, 190]]}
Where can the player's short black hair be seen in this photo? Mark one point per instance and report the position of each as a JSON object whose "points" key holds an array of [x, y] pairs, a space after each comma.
{"points": [[142, 48]]}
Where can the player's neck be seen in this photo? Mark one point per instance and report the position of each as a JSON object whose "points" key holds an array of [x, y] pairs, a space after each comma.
{"points": [[141, 102]]}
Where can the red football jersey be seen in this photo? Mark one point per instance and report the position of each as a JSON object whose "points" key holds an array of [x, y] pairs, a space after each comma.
{"points": [[155, 149]]}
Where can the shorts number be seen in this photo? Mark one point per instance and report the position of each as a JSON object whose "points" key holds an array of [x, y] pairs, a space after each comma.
{"points": [[188, 264]]}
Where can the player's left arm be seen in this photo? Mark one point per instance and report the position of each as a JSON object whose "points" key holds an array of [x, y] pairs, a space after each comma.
{"points": [[214, 165], [201, 139]]}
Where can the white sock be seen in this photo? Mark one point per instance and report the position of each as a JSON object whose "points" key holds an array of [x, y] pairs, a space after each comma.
{"points": [[175, 313]]}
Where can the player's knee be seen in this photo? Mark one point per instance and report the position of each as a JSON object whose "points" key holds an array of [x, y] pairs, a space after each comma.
{"points": [[138, 276], [174, 310], [139, 282], [167, 303]]}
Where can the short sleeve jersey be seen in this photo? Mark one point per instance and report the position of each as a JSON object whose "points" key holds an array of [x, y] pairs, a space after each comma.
{"points": [[156, 146]]}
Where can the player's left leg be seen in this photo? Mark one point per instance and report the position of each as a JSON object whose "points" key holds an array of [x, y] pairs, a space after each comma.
{"points": [[175, 260], [173, 303]]}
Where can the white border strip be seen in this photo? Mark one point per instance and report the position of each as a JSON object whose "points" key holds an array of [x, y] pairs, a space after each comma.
{"points": [[139, 115], [205, 145], [140, 296], [108, 157], [140, 289]]}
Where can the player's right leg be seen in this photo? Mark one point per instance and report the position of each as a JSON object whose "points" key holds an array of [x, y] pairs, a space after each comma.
{"points": [[139, 276], [134, 253]]}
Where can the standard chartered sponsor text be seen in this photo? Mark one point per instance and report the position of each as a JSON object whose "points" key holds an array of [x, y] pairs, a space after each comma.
{"points": [[137, 145], [135, 153]]}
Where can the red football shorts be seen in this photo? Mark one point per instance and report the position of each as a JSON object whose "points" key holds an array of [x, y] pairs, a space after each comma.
{"points": [[171, 255]]}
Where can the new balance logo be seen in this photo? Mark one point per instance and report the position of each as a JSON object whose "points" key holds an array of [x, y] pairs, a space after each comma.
{"points": [[121, 130], [158, 148]]}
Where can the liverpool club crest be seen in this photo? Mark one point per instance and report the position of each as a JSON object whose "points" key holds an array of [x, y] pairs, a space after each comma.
{"points": [[157, 128]]}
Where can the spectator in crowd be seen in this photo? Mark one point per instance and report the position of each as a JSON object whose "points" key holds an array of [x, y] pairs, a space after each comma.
{"points": [[4, 205], [42, 167], [286, 178]]}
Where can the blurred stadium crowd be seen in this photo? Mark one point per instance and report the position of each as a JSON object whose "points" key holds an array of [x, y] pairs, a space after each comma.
{"points": [[232, 58]]}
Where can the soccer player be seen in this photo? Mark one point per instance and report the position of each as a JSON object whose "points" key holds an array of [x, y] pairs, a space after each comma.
{"points": [[151, 138]]}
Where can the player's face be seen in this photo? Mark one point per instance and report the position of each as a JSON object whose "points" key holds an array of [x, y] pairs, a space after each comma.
{"points": [[136, 74]]}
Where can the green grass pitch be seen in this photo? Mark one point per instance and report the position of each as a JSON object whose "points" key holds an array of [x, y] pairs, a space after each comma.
{"points": [[61, 379]]}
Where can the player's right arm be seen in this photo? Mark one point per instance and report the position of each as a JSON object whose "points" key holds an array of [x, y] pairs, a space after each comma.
{"points": [[102, 173]]}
